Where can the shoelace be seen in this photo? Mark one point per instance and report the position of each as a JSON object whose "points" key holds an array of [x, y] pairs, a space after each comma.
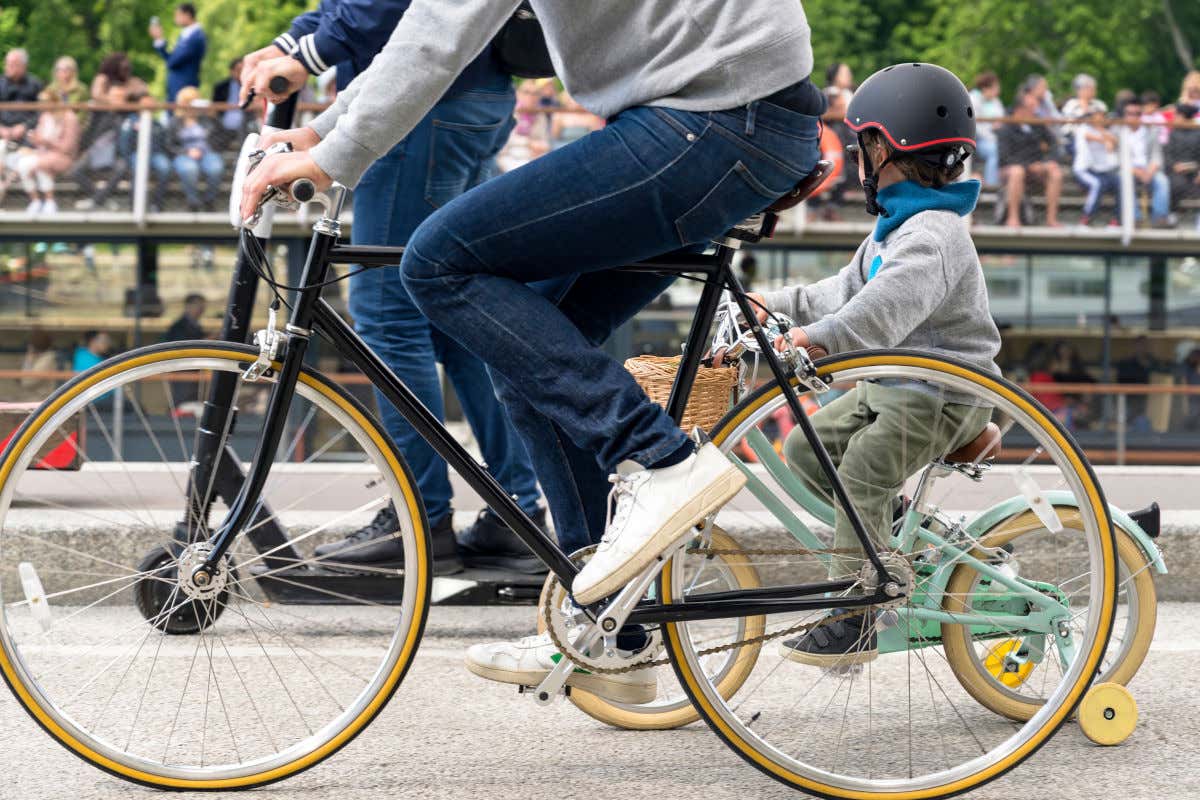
{"points": [[620, 503], [384, 521]]}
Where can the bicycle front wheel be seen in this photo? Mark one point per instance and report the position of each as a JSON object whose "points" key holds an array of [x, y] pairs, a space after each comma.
{"points": [[275, 665], [886, 716]]}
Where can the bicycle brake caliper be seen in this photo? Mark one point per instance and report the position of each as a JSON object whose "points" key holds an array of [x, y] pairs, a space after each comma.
{"points": [[269, 341], [806, 372]]}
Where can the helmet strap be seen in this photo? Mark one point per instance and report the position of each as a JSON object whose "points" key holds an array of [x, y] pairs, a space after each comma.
{"points": [[870, 181]]}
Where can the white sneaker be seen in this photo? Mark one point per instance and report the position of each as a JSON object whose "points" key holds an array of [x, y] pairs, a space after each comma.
{"points": [[528, 661], [655, 510], [34, 208], [49, 207]]}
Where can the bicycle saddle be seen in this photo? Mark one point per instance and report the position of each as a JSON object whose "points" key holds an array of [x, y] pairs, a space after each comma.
{"points": [[807, 185], [985, 445]]}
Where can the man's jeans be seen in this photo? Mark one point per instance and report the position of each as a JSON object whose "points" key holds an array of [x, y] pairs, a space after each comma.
{"points": [[654, 180], [450, 151], [1160, 196]]}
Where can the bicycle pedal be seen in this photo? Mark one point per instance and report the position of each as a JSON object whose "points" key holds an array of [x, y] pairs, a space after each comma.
{"points": [[544, 699]]}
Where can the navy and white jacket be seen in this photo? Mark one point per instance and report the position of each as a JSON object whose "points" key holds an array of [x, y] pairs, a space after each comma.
{"points": [[349, 33]]}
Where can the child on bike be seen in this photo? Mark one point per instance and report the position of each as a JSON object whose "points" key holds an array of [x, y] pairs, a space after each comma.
{"points": [[915, 283]]}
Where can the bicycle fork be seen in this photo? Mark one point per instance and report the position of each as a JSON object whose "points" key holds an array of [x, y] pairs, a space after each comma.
{"points": [[296, 336]]}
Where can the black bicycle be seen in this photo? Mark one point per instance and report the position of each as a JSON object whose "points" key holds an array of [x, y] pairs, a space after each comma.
{"points": [[991, 589]]}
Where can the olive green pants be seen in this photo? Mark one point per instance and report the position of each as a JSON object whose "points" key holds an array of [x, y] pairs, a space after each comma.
{"points": [[878, 436]]}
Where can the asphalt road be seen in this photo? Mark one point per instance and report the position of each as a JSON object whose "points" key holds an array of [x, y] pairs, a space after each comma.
{"points": [[447, 734]]}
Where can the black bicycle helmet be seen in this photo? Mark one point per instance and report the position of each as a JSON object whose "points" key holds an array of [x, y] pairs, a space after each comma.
{"points": [[921, 109]]}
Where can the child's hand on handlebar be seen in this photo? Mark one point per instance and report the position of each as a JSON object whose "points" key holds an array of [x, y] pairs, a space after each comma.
{"points": [[760, 306], [299, 138], [798, 338], [279, 170]]}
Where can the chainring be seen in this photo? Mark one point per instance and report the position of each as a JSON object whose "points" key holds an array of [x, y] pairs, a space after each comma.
{"points": [[564, 620]]}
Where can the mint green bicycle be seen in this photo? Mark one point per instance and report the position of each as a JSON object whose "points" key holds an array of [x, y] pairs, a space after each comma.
{"points": [[1010, 512]]}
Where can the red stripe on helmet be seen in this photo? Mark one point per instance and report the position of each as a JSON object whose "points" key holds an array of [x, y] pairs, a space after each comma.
{"points": [[919, 146]]}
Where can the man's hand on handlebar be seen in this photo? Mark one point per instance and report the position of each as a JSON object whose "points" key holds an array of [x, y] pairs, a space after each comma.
{"points": [[299, 138], [279, 170], [250, 63], [259, 79]]}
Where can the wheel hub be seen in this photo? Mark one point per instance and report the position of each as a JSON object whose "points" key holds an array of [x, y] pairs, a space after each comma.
{"points": [[196, 583]]}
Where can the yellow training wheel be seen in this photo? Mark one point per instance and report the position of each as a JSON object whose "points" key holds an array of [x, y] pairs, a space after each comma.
{"points": [[1011, 672], [1108, 714]]}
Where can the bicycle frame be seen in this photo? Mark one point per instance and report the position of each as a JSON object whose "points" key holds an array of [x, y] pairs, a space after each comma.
{"points": [[312, 314]]}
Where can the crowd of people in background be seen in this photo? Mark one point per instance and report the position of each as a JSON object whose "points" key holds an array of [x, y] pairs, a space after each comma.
{"points": [[94, 148], [1084, 144], [1040, 150]]}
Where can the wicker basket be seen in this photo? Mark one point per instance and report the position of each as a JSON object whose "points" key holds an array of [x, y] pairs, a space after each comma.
{"points": [[711, 395]]}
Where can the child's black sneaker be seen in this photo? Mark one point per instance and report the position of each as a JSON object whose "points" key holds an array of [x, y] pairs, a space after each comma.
{"points": [[837, 643]]}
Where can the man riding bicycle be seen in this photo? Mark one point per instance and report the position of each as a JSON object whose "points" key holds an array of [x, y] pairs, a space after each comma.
{"points": [[711, 118]]}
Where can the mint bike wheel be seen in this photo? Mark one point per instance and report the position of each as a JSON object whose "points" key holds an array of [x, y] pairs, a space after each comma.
{"points": [[901, 725], [250, 690]]}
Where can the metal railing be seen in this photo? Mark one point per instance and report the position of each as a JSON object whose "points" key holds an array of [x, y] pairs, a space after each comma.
{"points": [[134, 161], [1171, 436]]}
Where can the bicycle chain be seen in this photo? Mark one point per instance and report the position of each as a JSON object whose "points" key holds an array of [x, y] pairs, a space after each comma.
{"points": [[803, 627]]}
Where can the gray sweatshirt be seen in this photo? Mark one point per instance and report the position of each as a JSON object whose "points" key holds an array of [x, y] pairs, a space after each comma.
{"points": [[928, 294], [694, 55]]}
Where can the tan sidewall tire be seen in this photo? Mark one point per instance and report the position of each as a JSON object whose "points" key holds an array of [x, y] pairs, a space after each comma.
{"points": [[645, 718], [960, 650]]}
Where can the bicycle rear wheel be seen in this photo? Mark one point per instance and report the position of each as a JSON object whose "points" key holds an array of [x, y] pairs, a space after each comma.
{"points": [[900, 725], [283, 659]]}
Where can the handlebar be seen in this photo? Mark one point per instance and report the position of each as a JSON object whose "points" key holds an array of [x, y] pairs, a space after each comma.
{"points": [[278, 84]]}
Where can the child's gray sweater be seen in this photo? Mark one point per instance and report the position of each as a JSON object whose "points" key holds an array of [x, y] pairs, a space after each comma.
{"points": [[928, 294]]}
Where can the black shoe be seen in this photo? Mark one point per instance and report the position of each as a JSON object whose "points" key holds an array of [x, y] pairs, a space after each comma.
{"points": [[835, 644], [490, 544], [379, 545]]}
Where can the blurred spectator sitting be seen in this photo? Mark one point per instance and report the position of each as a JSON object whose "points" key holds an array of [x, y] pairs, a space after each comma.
{"points": [[1083, 105], [1182, 156], [1190, 376], [1146, 157], [835, 135], [115, 82], [17, 86], [1189, 90], [985, 97], [1153, 116], [1097, 163], [529, 137], [233, 120], [1137, 369], [91, 351], [838, 75], [65, 87], [188, 138], [1037, 362], [1027, 151], [54, 145], [40, 356], [1039, 88], [1067, 367], [572, 122], [188, 325], [184, 61], [1122, 98]]}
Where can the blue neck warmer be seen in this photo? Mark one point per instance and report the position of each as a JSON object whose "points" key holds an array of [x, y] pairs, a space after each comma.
{"points": [[905, 199]]}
